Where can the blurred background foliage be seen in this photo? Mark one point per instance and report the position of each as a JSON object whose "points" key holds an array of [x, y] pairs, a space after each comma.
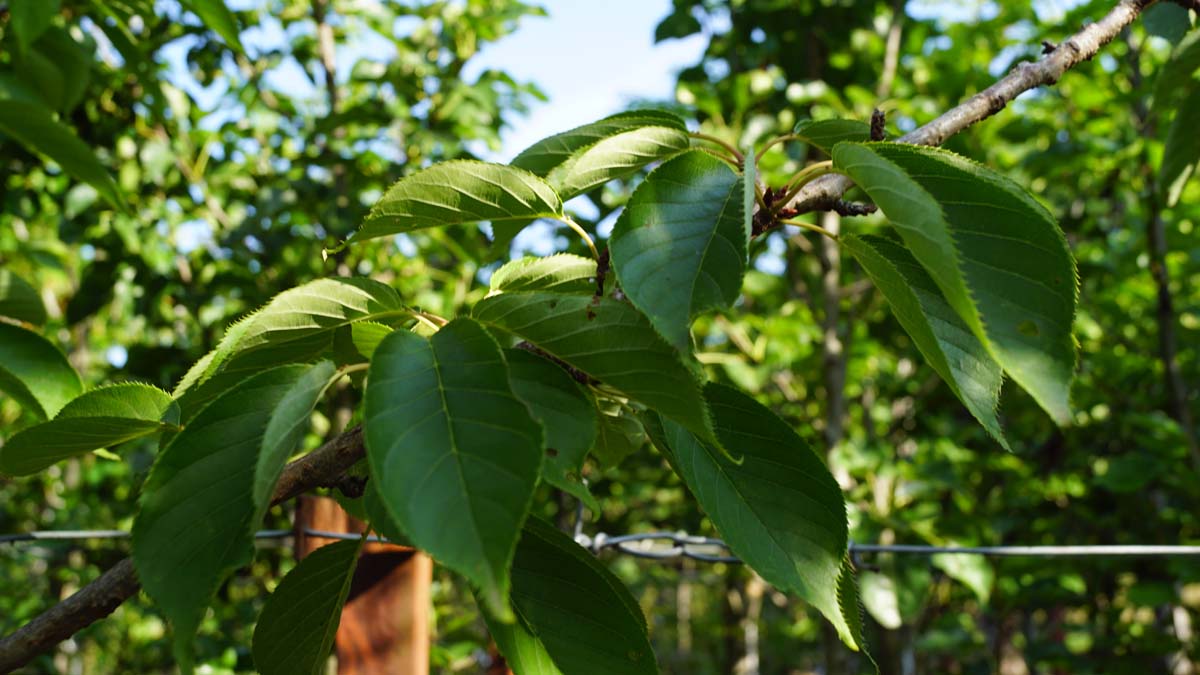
{"points": [[236, 181]]}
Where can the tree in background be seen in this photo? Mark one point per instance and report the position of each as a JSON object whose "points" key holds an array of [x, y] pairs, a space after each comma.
{"points": [[836, 347]]}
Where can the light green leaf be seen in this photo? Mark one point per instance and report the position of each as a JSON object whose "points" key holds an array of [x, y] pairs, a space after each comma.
{"points": [[34, 127], [944, 340], [881, 600], [679, 248], [34, 372], [523, 652], [297, 325], [566, 414], [615, 157], [296, 628], [749, 192], [610, 341], [29, 18], [19, 300], [973, 571], [457, 192], [101, 418], [216, 15], [448, 442], [548, 153], [618, 436], [204, 497], [574, 610], [780, 510], [559, 273], [1181, 152], [367, 335], [825, 134], [998, 256]]}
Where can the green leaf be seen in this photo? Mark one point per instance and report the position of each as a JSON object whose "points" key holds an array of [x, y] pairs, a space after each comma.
{"points": [[618, 436], [379, 517], [523, 652], [1181, 152], [457, 192], [678, 24], [559, 273], [827, 133], [1167, 20], [943, 338], [30, 18], [296, 326], [566, 414], [34, 372], [1175, 76], [216, 15], [296, 628], [367, 335], [548, 153], [610, 341], [34, 127], [205, 494], [615, 157], [780, 510], [19, 300], [679, 248], [572, 609], [101, 418], [971, 570], [998, 256], [448, 442]]}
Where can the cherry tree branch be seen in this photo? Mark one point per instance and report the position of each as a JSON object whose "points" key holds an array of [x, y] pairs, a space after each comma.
{"points": [[321, 467], [822, 194]]}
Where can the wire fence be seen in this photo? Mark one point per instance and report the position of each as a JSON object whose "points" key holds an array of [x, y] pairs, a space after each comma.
{"points": [[677, 545]]}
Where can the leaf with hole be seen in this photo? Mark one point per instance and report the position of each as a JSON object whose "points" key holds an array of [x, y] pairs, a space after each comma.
{"points": [[101, 418], [608, 340], [34, 372], [780, 510], [449, 442], [209, 488], [939, 333], [571, 608], [997, 255], [297, 625], [679, 248], [566, 414]]}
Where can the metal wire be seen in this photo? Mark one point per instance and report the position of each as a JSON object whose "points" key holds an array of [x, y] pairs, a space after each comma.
{"points": [[675, 545]]}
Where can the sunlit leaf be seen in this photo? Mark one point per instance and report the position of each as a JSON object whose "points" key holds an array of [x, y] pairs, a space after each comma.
{"points": [[34, 372], [559, 273], [101, 418], [297, 625], [448, 442], [216, 15], [548, 153], [943, 338], [997, 255], [205, 494], [615, 157]]}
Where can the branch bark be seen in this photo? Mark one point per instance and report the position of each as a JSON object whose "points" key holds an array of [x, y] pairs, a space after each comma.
{"points": [[93, 602], [823, 193]]}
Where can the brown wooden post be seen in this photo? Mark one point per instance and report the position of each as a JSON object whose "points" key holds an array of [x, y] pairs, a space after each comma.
{"points": [[385, 624]]}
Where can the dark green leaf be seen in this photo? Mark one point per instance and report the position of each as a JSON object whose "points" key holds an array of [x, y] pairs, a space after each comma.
{"points": [[997, 255], [448, 442], [29, 18], [574, 610], [34, 127], [559, 273], [610, 341], [678, 24], [101, 418], [827, 133], [566, 414], [780, 510], [205, 494], [460, 191], [618, 436], [19, 300], [1167, 20], [679, 248], [296, 628], [944, 340], [34, 372], [1181, 152], [1177, 73], [216, 15]]}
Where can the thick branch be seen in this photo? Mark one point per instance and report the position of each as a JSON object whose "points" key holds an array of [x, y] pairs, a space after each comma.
{"points": [[99, 598], [823, 193]]}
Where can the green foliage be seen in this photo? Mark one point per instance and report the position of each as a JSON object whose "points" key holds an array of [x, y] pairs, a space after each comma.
{"points": [[34, 372], [448, 442], [679, 247], [825, 134], [19, 300], [1182, 150], [561, 273], [101, 418], [296, 627]]}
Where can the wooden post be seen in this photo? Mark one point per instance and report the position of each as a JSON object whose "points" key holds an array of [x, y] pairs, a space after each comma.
{"points": [[385, 624]]}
